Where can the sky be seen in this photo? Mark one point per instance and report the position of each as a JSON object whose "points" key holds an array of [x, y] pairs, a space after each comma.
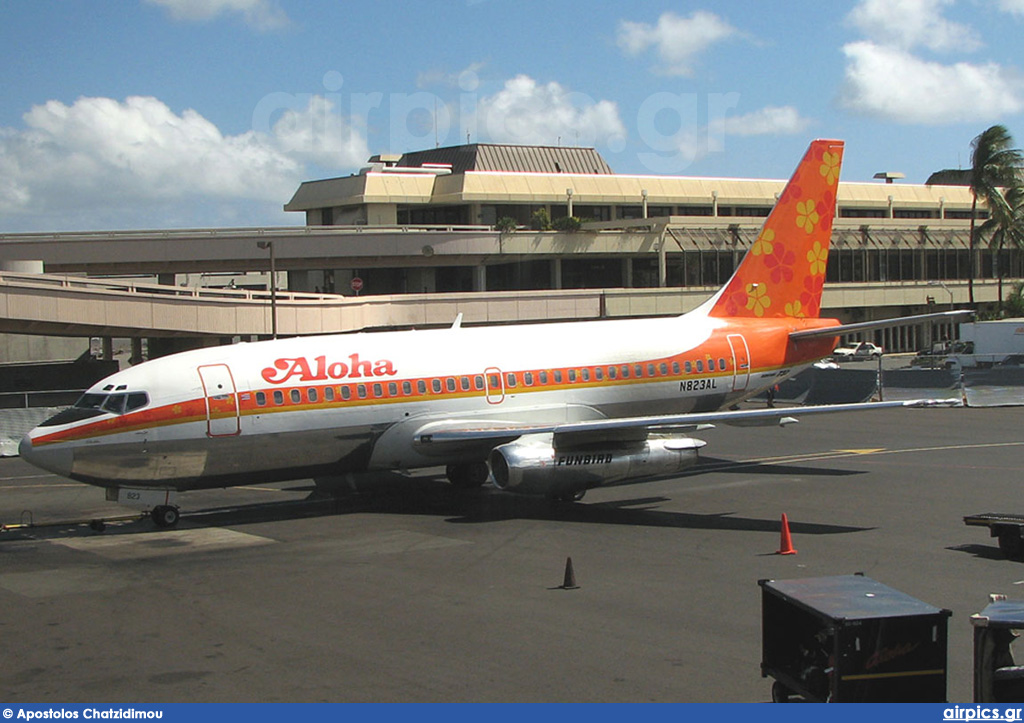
{"points": [[150, 114]]}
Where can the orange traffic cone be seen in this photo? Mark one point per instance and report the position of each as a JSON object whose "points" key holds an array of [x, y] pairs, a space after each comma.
{"points": [[569, 582], [786, 543]]}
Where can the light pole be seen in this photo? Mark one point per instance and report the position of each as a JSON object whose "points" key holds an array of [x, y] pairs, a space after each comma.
{"points": [[948, 291], [273, 285]]}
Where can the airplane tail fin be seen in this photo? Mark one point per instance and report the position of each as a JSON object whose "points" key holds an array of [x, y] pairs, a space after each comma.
{"points": [[783, 273]]}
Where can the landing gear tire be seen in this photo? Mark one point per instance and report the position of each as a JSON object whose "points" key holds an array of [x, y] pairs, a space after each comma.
{"points": [[574, 496], [467, 476], [780, 693], [165, 515], [1011, 543]]}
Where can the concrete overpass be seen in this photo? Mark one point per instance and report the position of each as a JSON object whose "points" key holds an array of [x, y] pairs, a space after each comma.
{"points": [[57, 305]]}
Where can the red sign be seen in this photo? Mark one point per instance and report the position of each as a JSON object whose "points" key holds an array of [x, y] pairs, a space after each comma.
{"points": [[356, 283]]}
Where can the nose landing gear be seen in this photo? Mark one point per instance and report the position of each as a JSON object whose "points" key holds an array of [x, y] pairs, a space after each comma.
{"points": [[165, 515]]}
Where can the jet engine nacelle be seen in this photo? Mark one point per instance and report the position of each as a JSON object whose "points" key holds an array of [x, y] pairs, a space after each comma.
{"points": [[532, 466]]}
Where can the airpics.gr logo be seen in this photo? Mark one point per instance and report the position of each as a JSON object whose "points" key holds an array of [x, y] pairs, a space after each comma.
{"points": [[302, 369]]}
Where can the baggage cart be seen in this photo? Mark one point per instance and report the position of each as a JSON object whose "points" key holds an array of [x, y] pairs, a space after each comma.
{"points": [[851, 639]]}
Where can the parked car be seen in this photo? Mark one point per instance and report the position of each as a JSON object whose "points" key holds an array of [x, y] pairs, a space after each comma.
{"points": [[858, 352]]}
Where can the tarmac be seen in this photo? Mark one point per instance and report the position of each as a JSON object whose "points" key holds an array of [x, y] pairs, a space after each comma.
{"points": [[406, 590]]}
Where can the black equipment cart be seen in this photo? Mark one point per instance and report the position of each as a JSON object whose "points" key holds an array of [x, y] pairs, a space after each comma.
{"points": [[851, 639], [997, 677]]}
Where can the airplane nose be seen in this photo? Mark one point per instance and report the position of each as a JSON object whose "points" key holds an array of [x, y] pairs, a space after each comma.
{"points": [[52, 458]]}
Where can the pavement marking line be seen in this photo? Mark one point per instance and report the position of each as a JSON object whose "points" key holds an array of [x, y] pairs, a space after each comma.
{"points": [[141, 546]]}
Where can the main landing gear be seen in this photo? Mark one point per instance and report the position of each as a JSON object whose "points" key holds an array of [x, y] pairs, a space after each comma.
{"points": [[468, 476], [165, 515]]}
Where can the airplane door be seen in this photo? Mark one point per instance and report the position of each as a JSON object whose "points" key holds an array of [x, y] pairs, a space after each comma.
{"points": [[222, 416], [495, 385], [740, 362]]}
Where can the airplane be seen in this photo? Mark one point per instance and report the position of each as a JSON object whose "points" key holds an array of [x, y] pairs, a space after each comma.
{"points": [[548, 409]]}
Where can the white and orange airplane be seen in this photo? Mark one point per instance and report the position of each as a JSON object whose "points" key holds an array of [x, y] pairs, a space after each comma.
{"points": [[548, 409]]}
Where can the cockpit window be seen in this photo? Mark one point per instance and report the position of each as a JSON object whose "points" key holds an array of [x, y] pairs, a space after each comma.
{"points": [[136, 400], [91, 401], [115, 403]]}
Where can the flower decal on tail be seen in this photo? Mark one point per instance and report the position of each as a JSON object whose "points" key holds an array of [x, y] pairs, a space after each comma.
{"points": [[818, 258], [758, 300], [807, 215]]}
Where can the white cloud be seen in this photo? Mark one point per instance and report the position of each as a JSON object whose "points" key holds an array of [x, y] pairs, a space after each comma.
{"points": [[261, 14], [676, 40], [908, 24], [768, 121], [101, 158], [524, 111], [1012, 6], [894, 84]]}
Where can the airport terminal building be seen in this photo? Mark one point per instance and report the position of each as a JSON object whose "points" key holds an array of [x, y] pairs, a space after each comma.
{"points": [[636, 231]]}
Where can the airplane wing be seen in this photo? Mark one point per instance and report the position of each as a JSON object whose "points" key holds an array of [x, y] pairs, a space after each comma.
{"points": [[840, 329], [472, 432]]}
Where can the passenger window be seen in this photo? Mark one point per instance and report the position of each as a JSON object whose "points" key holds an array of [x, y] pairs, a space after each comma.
{"points": [[478, 381], [689, 367], [450, 384], [407, 388], [510, 379], [700, 366], [136, 400], [528, 379], [543, 377], [296, 396], [572, 375], [558, 376], [421, 386], [361, 391], [435, 384], [494, 380], [278, 397], [378, 391], [675, 367], [625, 371], [313, 395], [711, 365], [721, 364], [465, 384], [612, 372], [599, 373], [392, 389], [585, 373], [650, 370], [346, 393], [261, 399], [329, 394], [639, 369]]}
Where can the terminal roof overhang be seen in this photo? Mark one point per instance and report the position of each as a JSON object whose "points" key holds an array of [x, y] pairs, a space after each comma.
{"points": [[500, 187]]}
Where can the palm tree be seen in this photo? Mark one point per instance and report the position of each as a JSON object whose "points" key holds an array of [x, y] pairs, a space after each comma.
{"points": [[1006, 224], [994, 165]]}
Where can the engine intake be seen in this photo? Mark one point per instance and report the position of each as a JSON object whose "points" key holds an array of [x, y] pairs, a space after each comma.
{"points": [[532, 465]]}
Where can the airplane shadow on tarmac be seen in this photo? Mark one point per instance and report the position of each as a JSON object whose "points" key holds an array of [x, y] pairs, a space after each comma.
{"points": [[392, 493]]}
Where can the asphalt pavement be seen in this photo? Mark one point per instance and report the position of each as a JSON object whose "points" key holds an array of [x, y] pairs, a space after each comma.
{"points": [[404, 589]]}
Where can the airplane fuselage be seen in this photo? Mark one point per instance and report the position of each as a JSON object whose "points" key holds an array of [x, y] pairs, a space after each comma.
{"points": [[328, 405]]}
